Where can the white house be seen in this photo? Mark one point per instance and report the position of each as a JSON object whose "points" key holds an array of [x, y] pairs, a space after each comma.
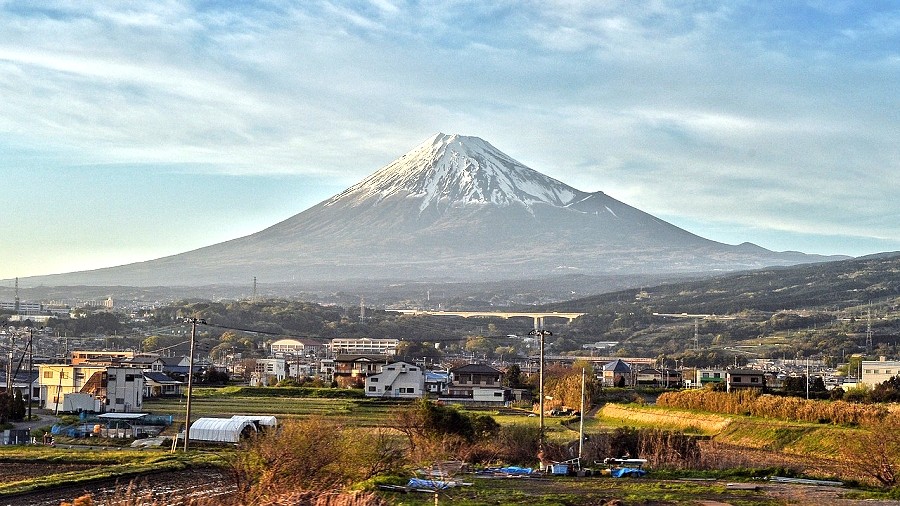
{"points": [[119, 389], [124, 389], [269, 371], [397, 379]]}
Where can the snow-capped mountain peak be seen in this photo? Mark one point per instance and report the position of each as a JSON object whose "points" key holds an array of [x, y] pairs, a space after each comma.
{"points": [[456, 170]]}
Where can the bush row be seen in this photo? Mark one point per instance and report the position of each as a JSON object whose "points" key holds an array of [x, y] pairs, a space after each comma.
{"points": [[749, 402]]}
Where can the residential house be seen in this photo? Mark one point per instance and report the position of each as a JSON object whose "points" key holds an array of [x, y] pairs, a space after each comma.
{"points": [[352, 368], [436, 382], [25, 383], [149, 363], [118, 389], [57, 380], [744, 378], [269, 371], [326, 369], [123, 388], [617, 374], [157, 384], [705, 377], [662, 378], [398, 380], [476, 384], [85, 356]]}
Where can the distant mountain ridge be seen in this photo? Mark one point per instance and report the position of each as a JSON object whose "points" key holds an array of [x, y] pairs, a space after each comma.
{"points": [[453, 208]]}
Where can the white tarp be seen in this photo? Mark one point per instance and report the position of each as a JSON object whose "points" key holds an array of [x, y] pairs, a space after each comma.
{"points": [[259, 420], [222, 430], [229, 430]]}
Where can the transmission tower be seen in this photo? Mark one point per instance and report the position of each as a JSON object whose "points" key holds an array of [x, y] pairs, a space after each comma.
{"points": [[869, 330]]}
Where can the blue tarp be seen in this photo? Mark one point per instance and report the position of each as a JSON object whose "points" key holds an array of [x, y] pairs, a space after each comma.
{"points": [[627, 471], [427, 484], [515, 470]]}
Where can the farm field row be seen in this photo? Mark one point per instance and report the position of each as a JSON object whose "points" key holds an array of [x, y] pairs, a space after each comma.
{"points": [[355, 412]]}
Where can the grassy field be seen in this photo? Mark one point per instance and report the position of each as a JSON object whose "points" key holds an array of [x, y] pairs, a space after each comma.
{"points": [[355, 412], [31, 468]]}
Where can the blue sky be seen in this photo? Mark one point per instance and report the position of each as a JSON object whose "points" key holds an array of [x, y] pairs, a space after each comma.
{"points": [[134, 130]]}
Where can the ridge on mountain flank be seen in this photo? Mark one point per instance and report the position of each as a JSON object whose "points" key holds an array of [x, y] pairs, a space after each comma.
{"points": [[454, 208]]}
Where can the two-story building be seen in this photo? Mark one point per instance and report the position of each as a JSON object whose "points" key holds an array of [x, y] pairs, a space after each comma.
{"points": [[744, 378], [618, 374], [349, 369], [397, 379], [268, 372], [658, 378], [705, 377], [476, 384], [115, 389]]}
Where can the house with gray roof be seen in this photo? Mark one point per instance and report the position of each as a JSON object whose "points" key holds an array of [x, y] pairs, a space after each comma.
{"points": [[618, 374]]}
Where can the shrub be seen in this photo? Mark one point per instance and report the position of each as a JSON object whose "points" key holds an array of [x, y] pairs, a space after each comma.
{"points": [[308, 455]]}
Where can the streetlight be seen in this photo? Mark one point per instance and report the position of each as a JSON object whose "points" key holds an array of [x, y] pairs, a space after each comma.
{"points": [[187, 416]]}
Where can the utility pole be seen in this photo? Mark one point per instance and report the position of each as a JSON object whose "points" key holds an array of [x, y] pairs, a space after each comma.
{"points": [[540, 332], [187, 416], [9, 373], [30, 381], [807, 378], [581, 421]]}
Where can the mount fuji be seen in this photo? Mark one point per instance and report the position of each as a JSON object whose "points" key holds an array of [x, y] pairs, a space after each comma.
{"points": [[454, 208]]}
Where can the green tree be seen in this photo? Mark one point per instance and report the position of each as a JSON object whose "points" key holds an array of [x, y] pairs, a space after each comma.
{"points": [[513, 376], [887, 391]]}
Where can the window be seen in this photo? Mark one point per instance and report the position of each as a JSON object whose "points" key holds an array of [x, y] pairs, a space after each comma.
{"points": [[387, 388], [498, 394], [129, 377], [706, 375], [120, 400], [48, 374], [413, 369], [374, 379], [717, 375], [736, 379], [754, 380], [372, 389]]}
